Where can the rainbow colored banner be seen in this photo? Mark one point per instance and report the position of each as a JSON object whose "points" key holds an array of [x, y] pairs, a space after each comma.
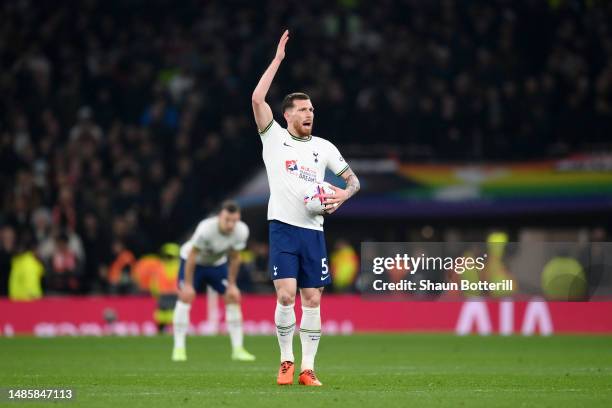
{"points": [[577, 184]]}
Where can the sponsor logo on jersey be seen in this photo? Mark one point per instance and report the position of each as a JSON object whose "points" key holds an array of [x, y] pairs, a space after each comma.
{"points": [[302, 172], [291, 166], [307, 174]]}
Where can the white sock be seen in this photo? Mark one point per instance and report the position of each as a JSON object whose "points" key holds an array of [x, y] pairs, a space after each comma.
{"points": [[233, 321], [181, 323], [284, 318], [310, 334]]}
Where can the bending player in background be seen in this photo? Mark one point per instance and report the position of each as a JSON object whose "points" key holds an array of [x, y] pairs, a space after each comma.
{"points": [[204, 260], [294, 160]]}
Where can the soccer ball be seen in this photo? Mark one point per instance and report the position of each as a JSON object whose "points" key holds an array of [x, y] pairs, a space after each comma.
{"points": [[313, 199]]}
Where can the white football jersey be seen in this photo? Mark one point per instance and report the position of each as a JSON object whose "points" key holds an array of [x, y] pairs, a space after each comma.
{"points": [[213, 244], [292, 164]]}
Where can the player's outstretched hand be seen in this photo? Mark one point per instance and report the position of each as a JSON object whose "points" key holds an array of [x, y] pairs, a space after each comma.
{"points": [[334, 201], [280, 49]]}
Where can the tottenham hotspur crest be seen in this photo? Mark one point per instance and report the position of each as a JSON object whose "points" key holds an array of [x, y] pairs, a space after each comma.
{"points": [[316, 157]]}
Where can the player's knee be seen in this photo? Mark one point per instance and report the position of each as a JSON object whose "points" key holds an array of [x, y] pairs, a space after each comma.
{"points": [[311, 298], [314, 301], [285, 298], [232, 298]]}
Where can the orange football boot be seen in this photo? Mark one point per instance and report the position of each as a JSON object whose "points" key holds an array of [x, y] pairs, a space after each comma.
{"points": [[285, 373], [308, 377]]}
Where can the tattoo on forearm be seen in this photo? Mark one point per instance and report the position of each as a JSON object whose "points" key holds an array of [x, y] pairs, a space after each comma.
{"points": [[352, 184]]}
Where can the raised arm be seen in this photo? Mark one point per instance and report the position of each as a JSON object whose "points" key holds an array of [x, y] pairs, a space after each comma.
{"points": [[261, 109]]}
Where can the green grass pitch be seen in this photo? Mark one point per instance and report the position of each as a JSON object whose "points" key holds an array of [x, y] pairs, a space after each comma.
{"points": [[360, 370]]}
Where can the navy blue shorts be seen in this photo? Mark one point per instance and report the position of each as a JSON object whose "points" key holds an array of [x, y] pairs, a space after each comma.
{"points": [[298, 253], [215, 276]]}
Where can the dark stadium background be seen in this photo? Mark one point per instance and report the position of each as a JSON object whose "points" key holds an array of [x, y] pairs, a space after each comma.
{"points": [[122, 123], [472, 125]]}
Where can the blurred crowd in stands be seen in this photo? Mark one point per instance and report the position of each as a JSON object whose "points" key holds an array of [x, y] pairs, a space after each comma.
{"points": [[122, 122]]}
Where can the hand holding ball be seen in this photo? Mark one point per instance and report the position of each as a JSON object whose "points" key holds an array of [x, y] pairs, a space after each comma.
{"points": [[314, 200]]}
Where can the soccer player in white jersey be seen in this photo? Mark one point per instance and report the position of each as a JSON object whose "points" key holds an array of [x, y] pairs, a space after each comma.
{"points": [[298, 258], [204, 260]]}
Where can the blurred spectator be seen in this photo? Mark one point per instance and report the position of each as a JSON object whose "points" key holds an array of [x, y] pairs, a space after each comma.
{"points": [[7, 250], [48, 248], [144, 119], [64, 267], [344, 263], [41, 224], [121, 279], [64, 212], [157, 274], [96, 246], [26, 272], [260, 262], [85, 127]]}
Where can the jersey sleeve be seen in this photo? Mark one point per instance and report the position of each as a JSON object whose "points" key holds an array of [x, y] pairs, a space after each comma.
{"points": [[199, 237], [335, 161], [272, 131], [243, 236]]}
